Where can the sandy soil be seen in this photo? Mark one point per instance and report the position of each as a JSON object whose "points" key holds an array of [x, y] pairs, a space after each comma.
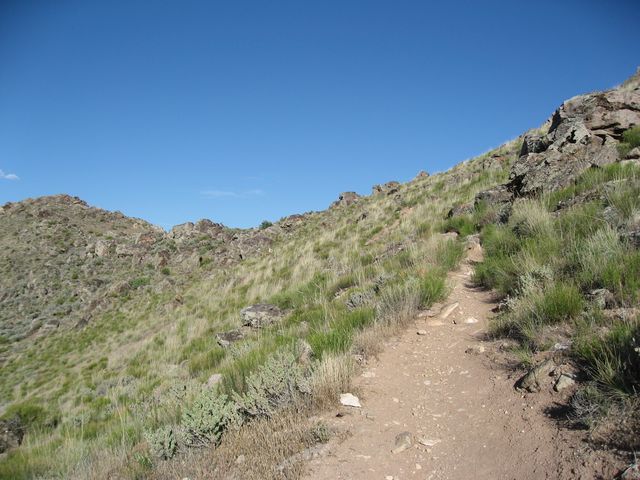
{"points": [[447, 390]]}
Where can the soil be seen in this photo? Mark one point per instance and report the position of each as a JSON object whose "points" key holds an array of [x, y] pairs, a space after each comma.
{"points": [[440, 403]]}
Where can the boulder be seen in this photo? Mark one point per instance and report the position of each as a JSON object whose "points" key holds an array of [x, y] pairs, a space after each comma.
{"points": [[422, 174], [602, 298], [11, 433], [260, 315], [462, 209]]}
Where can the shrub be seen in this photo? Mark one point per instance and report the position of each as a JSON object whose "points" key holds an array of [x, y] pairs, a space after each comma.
{"points": [[207, 418], [265, 224], [162, 442], [33, 416], [276, 384]]}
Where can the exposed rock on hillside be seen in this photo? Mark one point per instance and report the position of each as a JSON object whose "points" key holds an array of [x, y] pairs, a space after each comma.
{"points": [[584, 132]]}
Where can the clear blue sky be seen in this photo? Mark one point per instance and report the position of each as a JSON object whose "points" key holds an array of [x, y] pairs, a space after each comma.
{"points": [[242, 111]]}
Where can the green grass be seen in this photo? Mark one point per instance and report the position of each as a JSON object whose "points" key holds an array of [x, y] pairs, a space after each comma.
{"points": [[433, 287], [337, 336]]}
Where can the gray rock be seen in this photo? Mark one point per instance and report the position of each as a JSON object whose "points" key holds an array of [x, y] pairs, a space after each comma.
{"points": [[403, 441], [11, 434], [260, 315], [564, 381], [388, 188], [225, 339], [532, 380], [602, 298], [346, 199], [213, 380], [350, 400]]}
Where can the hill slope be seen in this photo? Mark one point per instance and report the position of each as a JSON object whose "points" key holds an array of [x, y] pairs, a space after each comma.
{"points": [[115, 332]]}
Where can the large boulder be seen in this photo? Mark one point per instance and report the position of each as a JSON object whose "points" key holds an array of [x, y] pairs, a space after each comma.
{"points": [[260, 315]]}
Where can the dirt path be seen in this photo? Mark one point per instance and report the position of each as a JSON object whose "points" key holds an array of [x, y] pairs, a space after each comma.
{"points": [[465, 419]]}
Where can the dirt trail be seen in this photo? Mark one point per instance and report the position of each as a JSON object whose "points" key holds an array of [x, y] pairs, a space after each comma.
{"points": [[464, 416]]}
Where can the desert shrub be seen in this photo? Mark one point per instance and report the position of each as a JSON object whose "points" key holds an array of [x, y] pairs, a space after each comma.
{"points": [[207, 418], [276, 384], [433, 287], [529, 218], [162, 442], [588, 405], [265, 224], [139, 282]]}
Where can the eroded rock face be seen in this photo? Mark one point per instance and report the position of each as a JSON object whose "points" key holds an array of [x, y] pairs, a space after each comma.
{"points": [[260, 315], [584, 132], [346, 199]]}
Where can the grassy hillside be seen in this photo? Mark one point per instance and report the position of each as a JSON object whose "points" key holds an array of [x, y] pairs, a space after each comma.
{"points": [[344, 279]]}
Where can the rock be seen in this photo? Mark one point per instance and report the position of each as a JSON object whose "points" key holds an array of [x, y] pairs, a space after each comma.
{"points": [[428, 442], [632, 472], [633, 154], [421, 174], [602, 298], [240, 459], [225, 339], [350, 400], [564, 381], [402, 442], [214, 379], [532, 379], [449, 310], [388, 188], [304, 352], [359, 299], [462, 209], [346, 199], [102, 248], [11, 434], [533, 144], [499, 198], [260, 315], [475, 350], [421, 332]]}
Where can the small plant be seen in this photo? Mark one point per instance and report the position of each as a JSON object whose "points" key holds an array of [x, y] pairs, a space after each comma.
{"points": [[166, 271], [265, 224], [433, 287], [276, 384], [162, 442], [630, 140], [207, 418]]}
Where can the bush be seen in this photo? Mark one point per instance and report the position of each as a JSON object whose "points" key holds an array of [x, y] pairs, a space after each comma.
{"points": [[162, 442], [209, 416], [265, 224], [277, 383], [33, 416]]}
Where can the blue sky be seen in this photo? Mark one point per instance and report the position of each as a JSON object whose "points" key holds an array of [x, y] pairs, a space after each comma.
{"points": [[242, 111]]}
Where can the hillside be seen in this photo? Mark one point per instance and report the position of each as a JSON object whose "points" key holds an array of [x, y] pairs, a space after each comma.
{"points": [[125, 348]]}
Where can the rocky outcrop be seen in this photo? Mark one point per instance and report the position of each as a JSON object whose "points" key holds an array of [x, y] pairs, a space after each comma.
{"points": [[583, 132], [346, 199], [388, 188]]}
